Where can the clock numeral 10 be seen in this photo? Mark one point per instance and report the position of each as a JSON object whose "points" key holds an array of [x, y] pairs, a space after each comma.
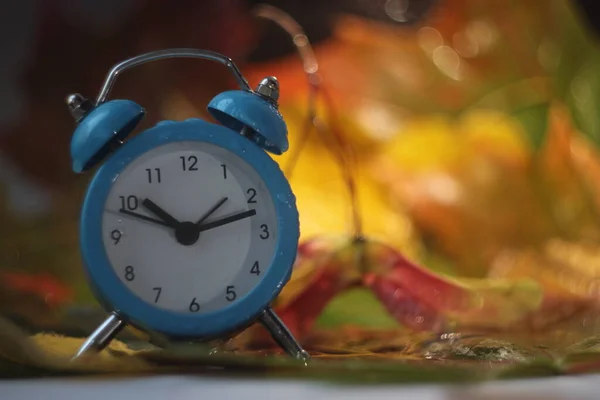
{"points": [[129, 202], [230, 294], [153, 175], [255, 269]]}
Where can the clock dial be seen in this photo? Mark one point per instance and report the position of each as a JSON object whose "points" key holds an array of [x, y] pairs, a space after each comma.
{"points": [[189, 227]]}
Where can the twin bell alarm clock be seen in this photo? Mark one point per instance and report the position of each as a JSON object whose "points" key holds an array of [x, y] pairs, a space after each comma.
{"points": [[189, 229]]}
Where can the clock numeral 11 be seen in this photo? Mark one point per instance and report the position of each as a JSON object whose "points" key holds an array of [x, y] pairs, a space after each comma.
{"points": [[153, 175]]}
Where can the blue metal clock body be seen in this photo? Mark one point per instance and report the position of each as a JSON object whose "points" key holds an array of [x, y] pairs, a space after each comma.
{"points": [[115, 295]]}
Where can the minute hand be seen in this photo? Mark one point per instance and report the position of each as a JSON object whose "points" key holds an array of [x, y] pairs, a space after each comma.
{"points": [[226, 220]]}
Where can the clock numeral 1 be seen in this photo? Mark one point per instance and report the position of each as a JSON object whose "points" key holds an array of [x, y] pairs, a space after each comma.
{"points": [[265, 232], [155, 173], [255, 269], [224, 171], [189, 163], [129, 202], [158, 292], [194, 307], [129, 273], [231, 295], [252, 193]]}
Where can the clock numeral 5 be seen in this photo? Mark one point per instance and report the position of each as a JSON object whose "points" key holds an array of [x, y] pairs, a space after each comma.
{"points": [[231, 295], [194, 307]]}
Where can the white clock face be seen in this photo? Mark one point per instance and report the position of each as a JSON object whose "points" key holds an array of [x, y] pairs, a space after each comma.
{"points": [[189, 227]]}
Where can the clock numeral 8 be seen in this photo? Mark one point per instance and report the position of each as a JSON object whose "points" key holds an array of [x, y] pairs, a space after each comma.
{"points": [[129, 273], [231, 295], [194, 307]]}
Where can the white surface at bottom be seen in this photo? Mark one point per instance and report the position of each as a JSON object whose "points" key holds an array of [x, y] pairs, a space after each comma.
{"points": [[184, 388]]}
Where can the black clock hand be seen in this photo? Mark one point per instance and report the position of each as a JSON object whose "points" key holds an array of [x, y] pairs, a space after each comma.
{"points": [[226, 220], [212, 210], [160, 213], [140, 216]]}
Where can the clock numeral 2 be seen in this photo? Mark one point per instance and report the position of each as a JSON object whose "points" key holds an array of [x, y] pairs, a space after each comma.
{"points": [[158, 292], [265, 232], [194, 307], [129, 273], [252, 193], [231, 295], [189, 164], [129, 202], [255, 269], [153, 173]]}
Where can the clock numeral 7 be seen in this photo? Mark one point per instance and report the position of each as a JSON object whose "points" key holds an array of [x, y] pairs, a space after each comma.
{"points": [[158, 292], [153, 175]]}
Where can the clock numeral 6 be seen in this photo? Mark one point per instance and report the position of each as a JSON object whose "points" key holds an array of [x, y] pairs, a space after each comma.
{"points": [[129, 273], [255, 269], [194, 307], [231, 295], [265, 232]]}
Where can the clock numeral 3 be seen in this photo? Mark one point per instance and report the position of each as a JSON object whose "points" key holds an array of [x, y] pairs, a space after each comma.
{"points": [[265, 232], [158, 292], [231, 295], [255, 269], [252, 193], [129, 202], [129, 273], [189, 164], [153, 175], [194, 307]]}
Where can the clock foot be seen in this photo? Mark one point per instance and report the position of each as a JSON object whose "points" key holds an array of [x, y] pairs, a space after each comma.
{"points": [[102, 336], [282, 335]]}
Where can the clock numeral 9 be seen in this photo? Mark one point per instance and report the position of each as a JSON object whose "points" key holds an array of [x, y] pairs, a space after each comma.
{"points": [[194, 307], [153, 173], [129, 273], [189, 164], [252, 193], [129, 202], [231, 295], [255, 269], [265, 232], [116, 236]]}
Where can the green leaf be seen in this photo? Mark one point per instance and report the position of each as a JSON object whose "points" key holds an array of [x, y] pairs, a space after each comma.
{"points": [[535, 123]]}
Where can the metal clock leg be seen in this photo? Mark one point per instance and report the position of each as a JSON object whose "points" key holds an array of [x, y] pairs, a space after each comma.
{"points": [[102, 336], [282, 335]]}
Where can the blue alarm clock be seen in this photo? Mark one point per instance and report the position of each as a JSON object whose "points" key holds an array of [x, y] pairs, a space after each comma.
{"points": [[189, 229]]}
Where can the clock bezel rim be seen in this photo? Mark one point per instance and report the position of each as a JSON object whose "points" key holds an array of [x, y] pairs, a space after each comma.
{"points": [[115, 296]]}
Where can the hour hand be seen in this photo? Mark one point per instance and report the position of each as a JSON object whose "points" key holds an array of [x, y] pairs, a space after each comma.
{"points": [[160, 213], [143, 217]]}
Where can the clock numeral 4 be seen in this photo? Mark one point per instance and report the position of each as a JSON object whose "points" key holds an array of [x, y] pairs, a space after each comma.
{"points": [[129, 273], [153, 175], [189, 163], [194, 307], [158, 291], [230, 294], [255, 269]]}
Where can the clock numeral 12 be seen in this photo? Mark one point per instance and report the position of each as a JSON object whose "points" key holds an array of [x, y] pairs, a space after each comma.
{"points": [[155, 173], [189, 163]]}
